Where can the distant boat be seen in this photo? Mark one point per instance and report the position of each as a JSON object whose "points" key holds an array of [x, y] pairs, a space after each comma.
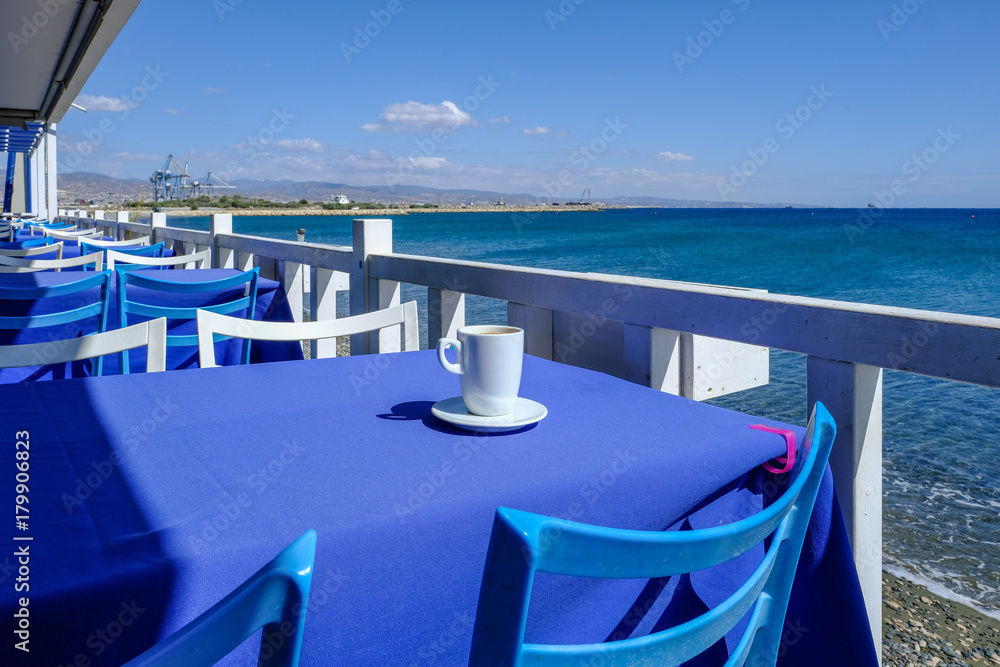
{"points": [[341, 198], [871, 204]]}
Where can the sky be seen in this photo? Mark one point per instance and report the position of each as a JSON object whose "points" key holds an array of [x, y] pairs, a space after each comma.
{"points": [[829, 104]]}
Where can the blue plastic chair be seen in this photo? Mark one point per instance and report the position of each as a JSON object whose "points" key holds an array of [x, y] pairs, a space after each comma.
{"points": [[523, 543], [98, 308], [128, 276], [274, 599], [154, 250]]}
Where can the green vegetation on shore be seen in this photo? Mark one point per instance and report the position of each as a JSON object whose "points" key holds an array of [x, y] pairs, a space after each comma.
{"points": [[240, 202]]}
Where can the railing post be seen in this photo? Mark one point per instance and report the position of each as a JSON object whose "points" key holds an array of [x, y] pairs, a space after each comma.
{"points": [[244, 261], [372, 237], [537, 325], [223, 258], [156, 222], [445, 314], [291, 280], [653, 358], [853, 395], [323, 306]]}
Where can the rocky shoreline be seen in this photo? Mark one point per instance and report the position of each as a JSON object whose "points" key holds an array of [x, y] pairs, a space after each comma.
{"points": [[922, 629]]}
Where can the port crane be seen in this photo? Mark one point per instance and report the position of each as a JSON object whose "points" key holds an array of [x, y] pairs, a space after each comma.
{"points": [[169, 180], [585, 195], [208, 185]]}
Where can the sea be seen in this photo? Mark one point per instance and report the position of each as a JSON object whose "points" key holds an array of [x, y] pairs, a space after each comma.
{"points": [[941, 442]]}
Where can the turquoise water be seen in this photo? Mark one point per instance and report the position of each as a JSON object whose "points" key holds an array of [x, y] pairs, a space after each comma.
{"points": [[941, 448]]}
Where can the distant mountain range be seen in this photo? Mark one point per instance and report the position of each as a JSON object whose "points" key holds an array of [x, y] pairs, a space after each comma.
{"points": [[87, 186]]}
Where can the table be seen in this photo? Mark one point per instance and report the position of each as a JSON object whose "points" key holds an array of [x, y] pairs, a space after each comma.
{"points": [[271, 305], [154, 495]]}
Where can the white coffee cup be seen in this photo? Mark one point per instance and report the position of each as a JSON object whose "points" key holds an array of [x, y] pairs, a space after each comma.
{"points": [[489, 363]]}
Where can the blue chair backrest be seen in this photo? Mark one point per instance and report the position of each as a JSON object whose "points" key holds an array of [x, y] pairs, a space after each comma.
{"points": [[128, 276], [154, 250], [97, 308], [274, 599], [523, 543]]}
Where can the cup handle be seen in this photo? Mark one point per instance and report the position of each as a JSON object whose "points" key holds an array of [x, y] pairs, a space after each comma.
{"points": [[444, 344]]}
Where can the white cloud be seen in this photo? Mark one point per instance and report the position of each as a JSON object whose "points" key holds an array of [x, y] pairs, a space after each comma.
{"points": [[371, 127], [101, 103], [210, 90], [298, 145], [501, 119], [667, 156], [537, 130], [416, 116], [174, 112], [427, 162], [140, 157]]}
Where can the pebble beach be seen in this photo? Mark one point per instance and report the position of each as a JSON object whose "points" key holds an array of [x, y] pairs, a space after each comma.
{"points": [[922, 629]]}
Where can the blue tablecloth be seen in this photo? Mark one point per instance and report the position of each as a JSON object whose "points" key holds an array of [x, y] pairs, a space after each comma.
{"points": [[153, 495], [271, 305]]}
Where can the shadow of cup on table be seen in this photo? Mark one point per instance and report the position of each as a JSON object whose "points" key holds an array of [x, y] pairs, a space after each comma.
{"points": [[421, 411]]}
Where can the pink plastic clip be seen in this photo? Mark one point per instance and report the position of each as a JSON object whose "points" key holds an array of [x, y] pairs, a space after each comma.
{"points": [[788, 461]]}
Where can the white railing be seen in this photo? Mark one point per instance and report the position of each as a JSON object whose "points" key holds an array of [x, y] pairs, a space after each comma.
{"points": [[643, 330]]}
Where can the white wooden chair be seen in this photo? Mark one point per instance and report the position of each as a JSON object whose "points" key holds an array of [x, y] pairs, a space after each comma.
{"points": [[74, 235], [41, 227], [97, 242], [210, 324], [27, 265], [57, 248], [152, 334], [202, 260]]}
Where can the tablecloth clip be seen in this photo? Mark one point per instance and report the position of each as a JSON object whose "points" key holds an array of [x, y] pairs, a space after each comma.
{"points": [[788, 460]]}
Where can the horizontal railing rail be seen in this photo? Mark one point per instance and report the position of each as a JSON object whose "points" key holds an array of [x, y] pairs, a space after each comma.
{"points": [[965, 348], [332, 257]]}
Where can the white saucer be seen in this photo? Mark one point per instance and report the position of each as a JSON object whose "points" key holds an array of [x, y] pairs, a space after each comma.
{"points": [[453, 411]]}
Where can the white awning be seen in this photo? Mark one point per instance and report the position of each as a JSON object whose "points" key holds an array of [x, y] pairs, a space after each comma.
{"points": [[53, 47]]}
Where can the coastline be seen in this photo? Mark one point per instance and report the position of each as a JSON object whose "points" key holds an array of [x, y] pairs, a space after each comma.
{"points": [[383, 211]]}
